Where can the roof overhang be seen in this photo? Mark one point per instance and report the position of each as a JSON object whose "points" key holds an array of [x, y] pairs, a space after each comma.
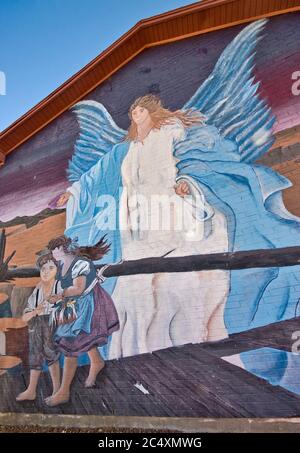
{"points": [[191, 20]]}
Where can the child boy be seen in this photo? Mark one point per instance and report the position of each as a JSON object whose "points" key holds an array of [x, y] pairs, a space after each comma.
{"points": [[36, 314]]}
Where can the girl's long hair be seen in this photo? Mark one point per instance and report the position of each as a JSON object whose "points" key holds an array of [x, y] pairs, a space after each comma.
{"points": [[161, 116], [94, 252]]}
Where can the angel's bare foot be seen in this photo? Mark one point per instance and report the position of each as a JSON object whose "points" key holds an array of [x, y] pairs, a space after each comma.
{"points": [[28, 395], [58, 398], [93, 373]]}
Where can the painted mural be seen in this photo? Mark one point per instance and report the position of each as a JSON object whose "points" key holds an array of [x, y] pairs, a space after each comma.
{"points": [[101, 317]]}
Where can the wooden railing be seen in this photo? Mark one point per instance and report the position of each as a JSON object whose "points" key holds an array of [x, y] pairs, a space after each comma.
{"points": [[279, 257]]}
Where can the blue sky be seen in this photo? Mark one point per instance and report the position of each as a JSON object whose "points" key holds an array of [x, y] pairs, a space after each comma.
{"points": [[44, 42]]}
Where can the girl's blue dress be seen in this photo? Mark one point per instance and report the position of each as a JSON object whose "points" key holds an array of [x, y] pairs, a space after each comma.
{"points": [[96, 317]]}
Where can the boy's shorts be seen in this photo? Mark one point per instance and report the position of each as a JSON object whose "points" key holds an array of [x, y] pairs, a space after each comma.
{"points": [[41, 345]]}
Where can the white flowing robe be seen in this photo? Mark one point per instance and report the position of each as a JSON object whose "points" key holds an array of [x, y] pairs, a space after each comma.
{"points": [[161, 310]]}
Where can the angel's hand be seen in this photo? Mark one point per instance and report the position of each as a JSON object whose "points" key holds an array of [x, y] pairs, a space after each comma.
{"points": [[182, 189], [64, 198]]}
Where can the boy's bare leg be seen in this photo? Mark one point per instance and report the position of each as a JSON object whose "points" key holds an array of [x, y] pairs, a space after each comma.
{"points": [[63, 393], [30, 392], [97, 364], [54, 371]]}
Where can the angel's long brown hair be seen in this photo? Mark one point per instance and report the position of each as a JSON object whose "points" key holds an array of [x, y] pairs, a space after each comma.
{"points": [[160, 115], [95, 252]]}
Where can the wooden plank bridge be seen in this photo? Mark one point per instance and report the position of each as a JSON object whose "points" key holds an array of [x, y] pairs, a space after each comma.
{"points": [[184, 381]]}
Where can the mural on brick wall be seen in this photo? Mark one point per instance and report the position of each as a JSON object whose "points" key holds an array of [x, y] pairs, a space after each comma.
{"points": [[114, 281]]}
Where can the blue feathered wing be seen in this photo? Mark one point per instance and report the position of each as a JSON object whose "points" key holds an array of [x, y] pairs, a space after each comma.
{"points": [[230, 101], [98, 133]]}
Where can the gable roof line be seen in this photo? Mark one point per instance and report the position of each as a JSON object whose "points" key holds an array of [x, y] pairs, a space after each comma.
{"points": [[181, 23]]}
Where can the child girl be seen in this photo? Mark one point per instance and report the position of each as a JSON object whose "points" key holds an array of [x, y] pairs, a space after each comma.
{"points": [[96, 317], [36, 314]]}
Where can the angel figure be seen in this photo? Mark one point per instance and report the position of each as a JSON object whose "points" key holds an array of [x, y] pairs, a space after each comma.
{"points": [[207, 151]]}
